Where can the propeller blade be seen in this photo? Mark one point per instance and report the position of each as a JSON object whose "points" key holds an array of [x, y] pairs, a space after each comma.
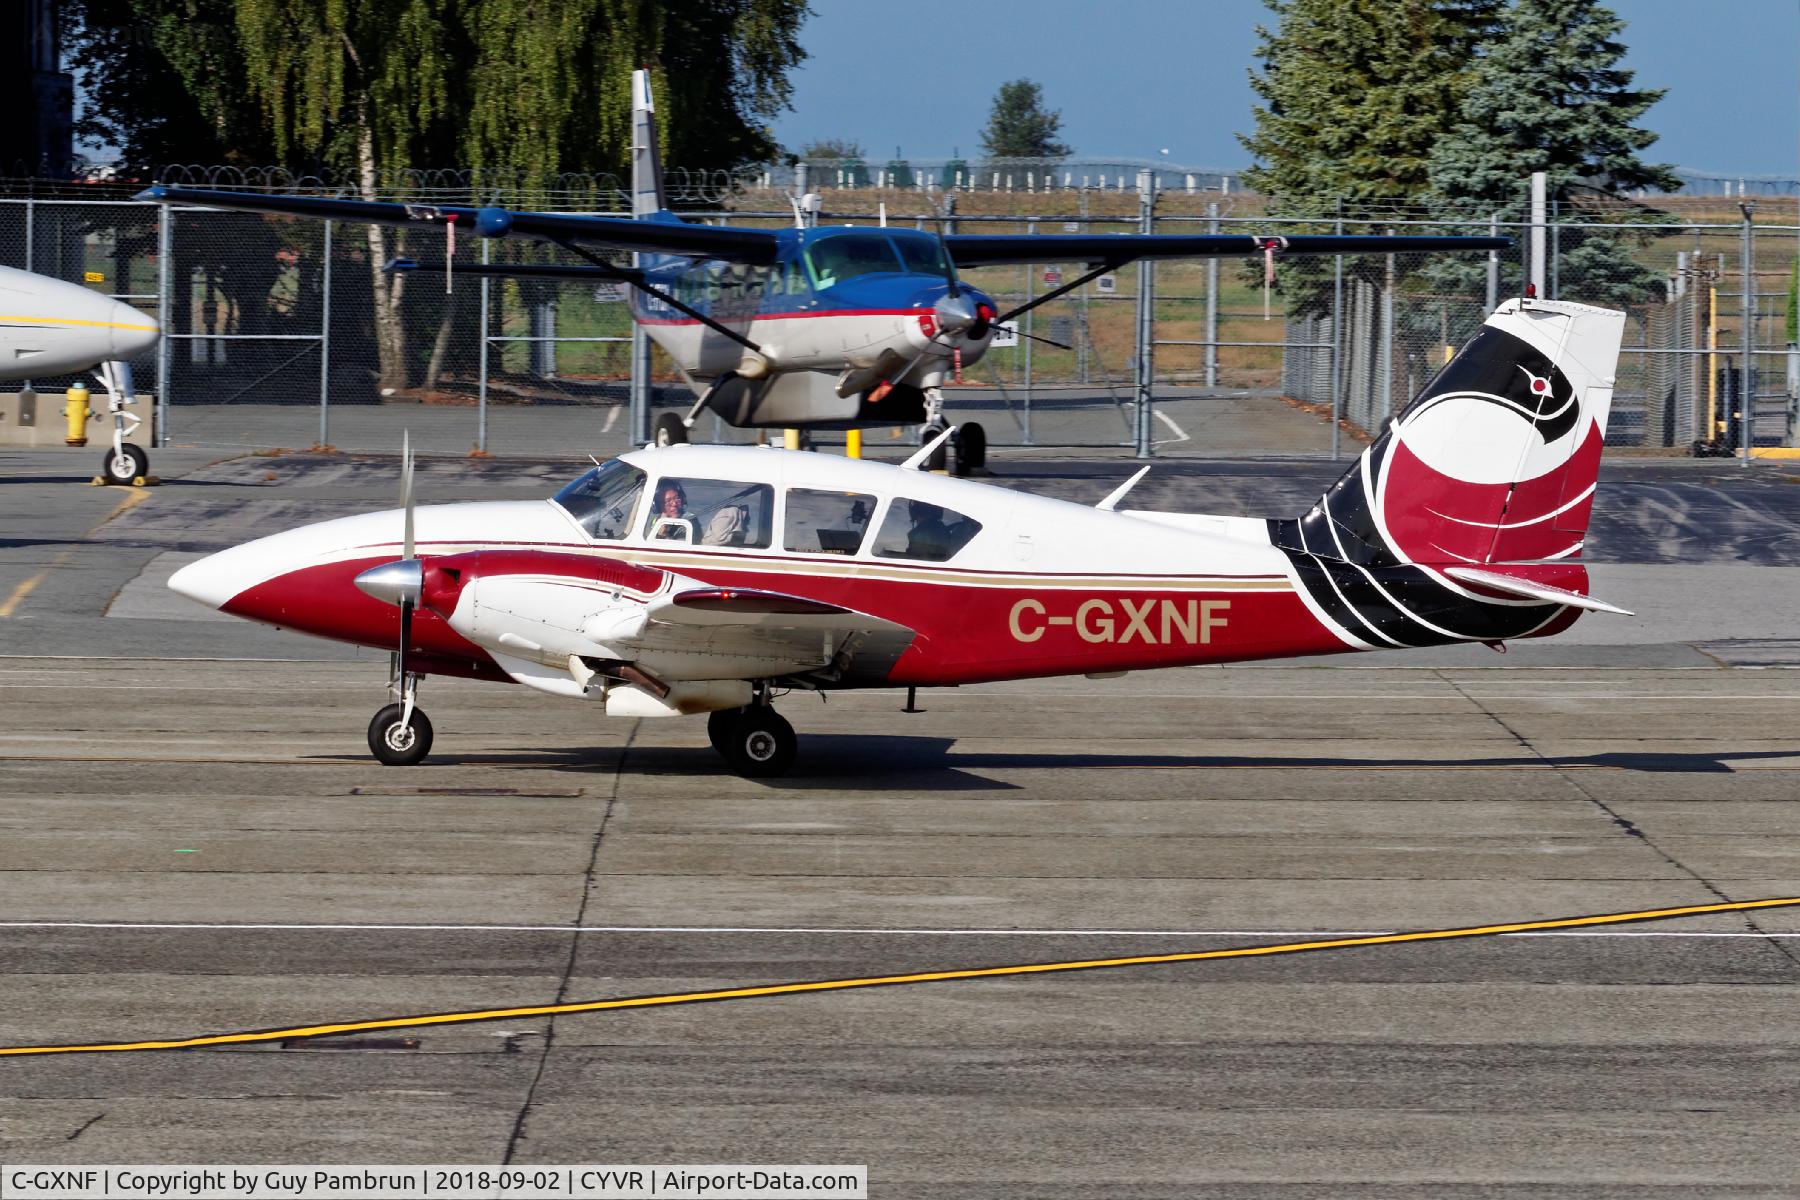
{"points": [[406, 490]]}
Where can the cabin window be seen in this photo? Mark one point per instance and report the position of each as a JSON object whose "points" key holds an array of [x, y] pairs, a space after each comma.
{"points": [[796, 279], [819, 522], [603, 500], [926, 532], [836, 259], [716, 512]]}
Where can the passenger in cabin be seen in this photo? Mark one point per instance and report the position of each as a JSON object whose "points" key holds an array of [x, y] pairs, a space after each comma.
{"points": [[929, 538]]}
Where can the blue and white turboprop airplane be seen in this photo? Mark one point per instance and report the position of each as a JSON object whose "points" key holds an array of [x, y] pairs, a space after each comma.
{"points": [[837, 328]]}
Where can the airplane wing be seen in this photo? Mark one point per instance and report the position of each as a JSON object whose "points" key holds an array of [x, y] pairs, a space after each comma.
{"points": [[1117, 249], [691, 633], [754, 246]]}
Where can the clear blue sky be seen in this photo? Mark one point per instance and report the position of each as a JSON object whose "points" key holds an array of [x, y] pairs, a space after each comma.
{"points": [[1132, 77]]}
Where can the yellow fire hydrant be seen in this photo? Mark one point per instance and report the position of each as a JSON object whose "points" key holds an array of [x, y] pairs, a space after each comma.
{"points": [[76, 409]]}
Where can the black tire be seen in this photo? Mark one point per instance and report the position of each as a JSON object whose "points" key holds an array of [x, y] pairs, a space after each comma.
{"points": [[125, 466], [759, 743], [937, 458], [718, 726], [668, 430], [971, 449], [395, 745]]}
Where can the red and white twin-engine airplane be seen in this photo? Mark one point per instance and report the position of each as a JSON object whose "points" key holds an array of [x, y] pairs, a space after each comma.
{"points": [[694, 579]]}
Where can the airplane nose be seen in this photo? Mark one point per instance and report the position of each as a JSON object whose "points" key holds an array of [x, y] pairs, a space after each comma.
{"points": [[212, 580], [133, 331]]}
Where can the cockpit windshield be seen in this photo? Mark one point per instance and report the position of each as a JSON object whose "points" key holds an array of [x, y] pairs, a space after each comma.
{"points": [[845, 256], [604, 499], [922, 253]]}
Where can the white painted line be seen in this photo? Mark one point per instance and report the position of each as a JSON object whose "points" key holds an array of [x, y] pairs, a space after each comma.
{"points": [[845, 931], [612, 418], [1166, 419]]}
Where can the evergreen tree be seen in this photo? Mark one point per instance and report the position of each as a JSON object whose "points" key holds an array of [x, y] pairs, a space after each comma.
{"points": [[1356, 94], [1551, 96], [1019, 126]]}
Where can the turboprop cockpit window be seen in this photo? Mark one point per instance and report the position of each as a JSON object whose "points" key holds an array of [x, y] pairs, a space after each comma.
{"points": [[826, 522], [927, 532], [603, 500], [835, 259], [923, 255], [718, 512]]}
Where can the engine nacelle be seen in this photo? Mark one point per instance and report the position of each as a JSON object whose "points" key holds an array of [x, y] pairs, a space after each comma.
{"points": [[541, 606]]}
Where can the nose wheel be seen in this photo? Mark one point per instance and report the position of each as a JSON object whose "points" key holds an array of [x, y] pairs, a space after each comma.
{"points": [[757, 741], [398, 741]]}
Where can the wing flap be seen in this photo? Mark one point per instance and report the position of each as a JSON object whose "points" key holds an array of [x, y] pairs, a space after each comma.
{"points": [[981, 250], [664, 235]]}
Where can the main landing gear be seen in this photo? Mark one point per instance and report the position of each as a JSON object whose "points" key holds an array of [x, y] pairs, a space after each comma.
{"points": [[400, 734], [756, 740]]}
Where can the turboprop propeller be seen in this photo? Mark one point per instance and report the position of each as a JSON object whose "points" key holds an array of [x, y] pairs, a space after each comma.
{"points": [[399, 733]]}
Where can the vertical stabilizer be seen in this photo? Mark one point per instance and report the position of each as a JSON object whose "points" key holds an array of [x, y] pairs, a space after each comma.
{"points": [[647, 196], [1490, 469]]}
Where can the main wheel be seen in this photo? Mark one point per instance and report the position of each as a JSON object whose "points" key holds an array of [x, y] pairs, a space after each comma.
{"points": [[936, 460], [759, 743], [126, 464], [971, 449], [397, 745], [668, 430], [718, 726]]}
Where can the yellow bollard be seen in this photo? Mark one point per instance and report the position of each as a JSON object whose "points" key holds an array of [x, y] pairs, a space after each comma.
{"points": [[853, 443], [76, 409], [790, 438]]}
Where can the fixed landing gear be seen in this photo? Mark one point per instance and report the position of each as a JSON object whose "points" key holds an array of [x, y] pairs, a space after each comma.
{"points": [[396, 742], [669, 430], [125, 462], [400, 734], [756, 740]]}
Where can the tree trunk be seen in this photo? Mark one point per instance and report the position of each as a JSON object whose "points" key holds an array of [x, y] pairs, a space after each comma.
{"points": [[390, 332], [440, 345]]}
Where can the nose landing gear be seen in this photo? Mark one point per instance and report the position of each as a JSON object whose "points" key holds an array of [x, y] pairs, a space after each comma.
{"points": [[400, 734], [396, 741], [756, 740]]}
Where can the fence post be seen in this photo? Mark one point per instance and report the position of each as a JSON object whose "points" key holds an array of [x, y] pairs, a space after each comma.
{"points": [[481, 355], [1337, 340], [1493, 268], [1747, 373], [325, 344], [1386, 361], [165, 311], [1031, 228], [1146, 323], [30, 223], [1536, 277], [1212, 304]]}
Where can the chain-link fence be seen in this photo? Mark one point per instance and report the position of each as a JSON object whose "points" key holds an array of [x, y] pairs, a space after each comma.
{"points": [[285, 332]]}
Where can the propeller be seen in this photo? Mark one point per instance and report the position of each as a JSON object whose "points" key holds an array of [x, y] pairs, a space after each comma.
{"points": [[953, 313], [400, 582]]}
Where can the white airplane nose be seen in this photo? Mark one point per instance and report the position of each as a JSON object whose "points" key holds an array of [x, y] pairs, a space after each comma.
{"points": [[133, 331], [212, 580]]}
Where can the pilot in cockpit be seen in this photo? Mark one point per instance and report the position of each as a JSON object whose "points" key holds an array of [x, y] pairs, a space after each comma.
{"points": [[671, 504]]}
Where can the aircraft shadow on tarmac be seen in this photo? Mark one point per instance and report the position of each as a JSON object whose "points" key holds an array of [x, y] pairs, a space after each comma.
{"points": [[885, 762]]}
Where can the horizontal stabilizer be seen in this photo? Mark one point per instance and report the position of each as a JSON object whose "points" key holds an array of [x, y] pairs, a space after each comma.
{"points": [[1527, 589]]}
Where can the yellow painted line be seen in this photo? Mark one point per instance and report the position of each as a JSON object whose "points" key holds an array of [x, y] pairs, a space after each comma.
{"points": [[133, 498], [1775, 452], [838, 985], [70, 321], [11, 604]]}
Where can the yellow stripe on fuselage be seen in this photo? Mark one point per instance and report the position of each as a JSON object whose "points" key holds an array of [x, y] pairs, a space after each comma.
{"points": [[72, 321]]}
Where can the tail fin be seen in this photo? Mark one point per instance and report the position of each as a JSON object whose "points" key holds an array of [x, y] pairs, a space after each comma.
{"points": [[1494, 463], [647, 198]]}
